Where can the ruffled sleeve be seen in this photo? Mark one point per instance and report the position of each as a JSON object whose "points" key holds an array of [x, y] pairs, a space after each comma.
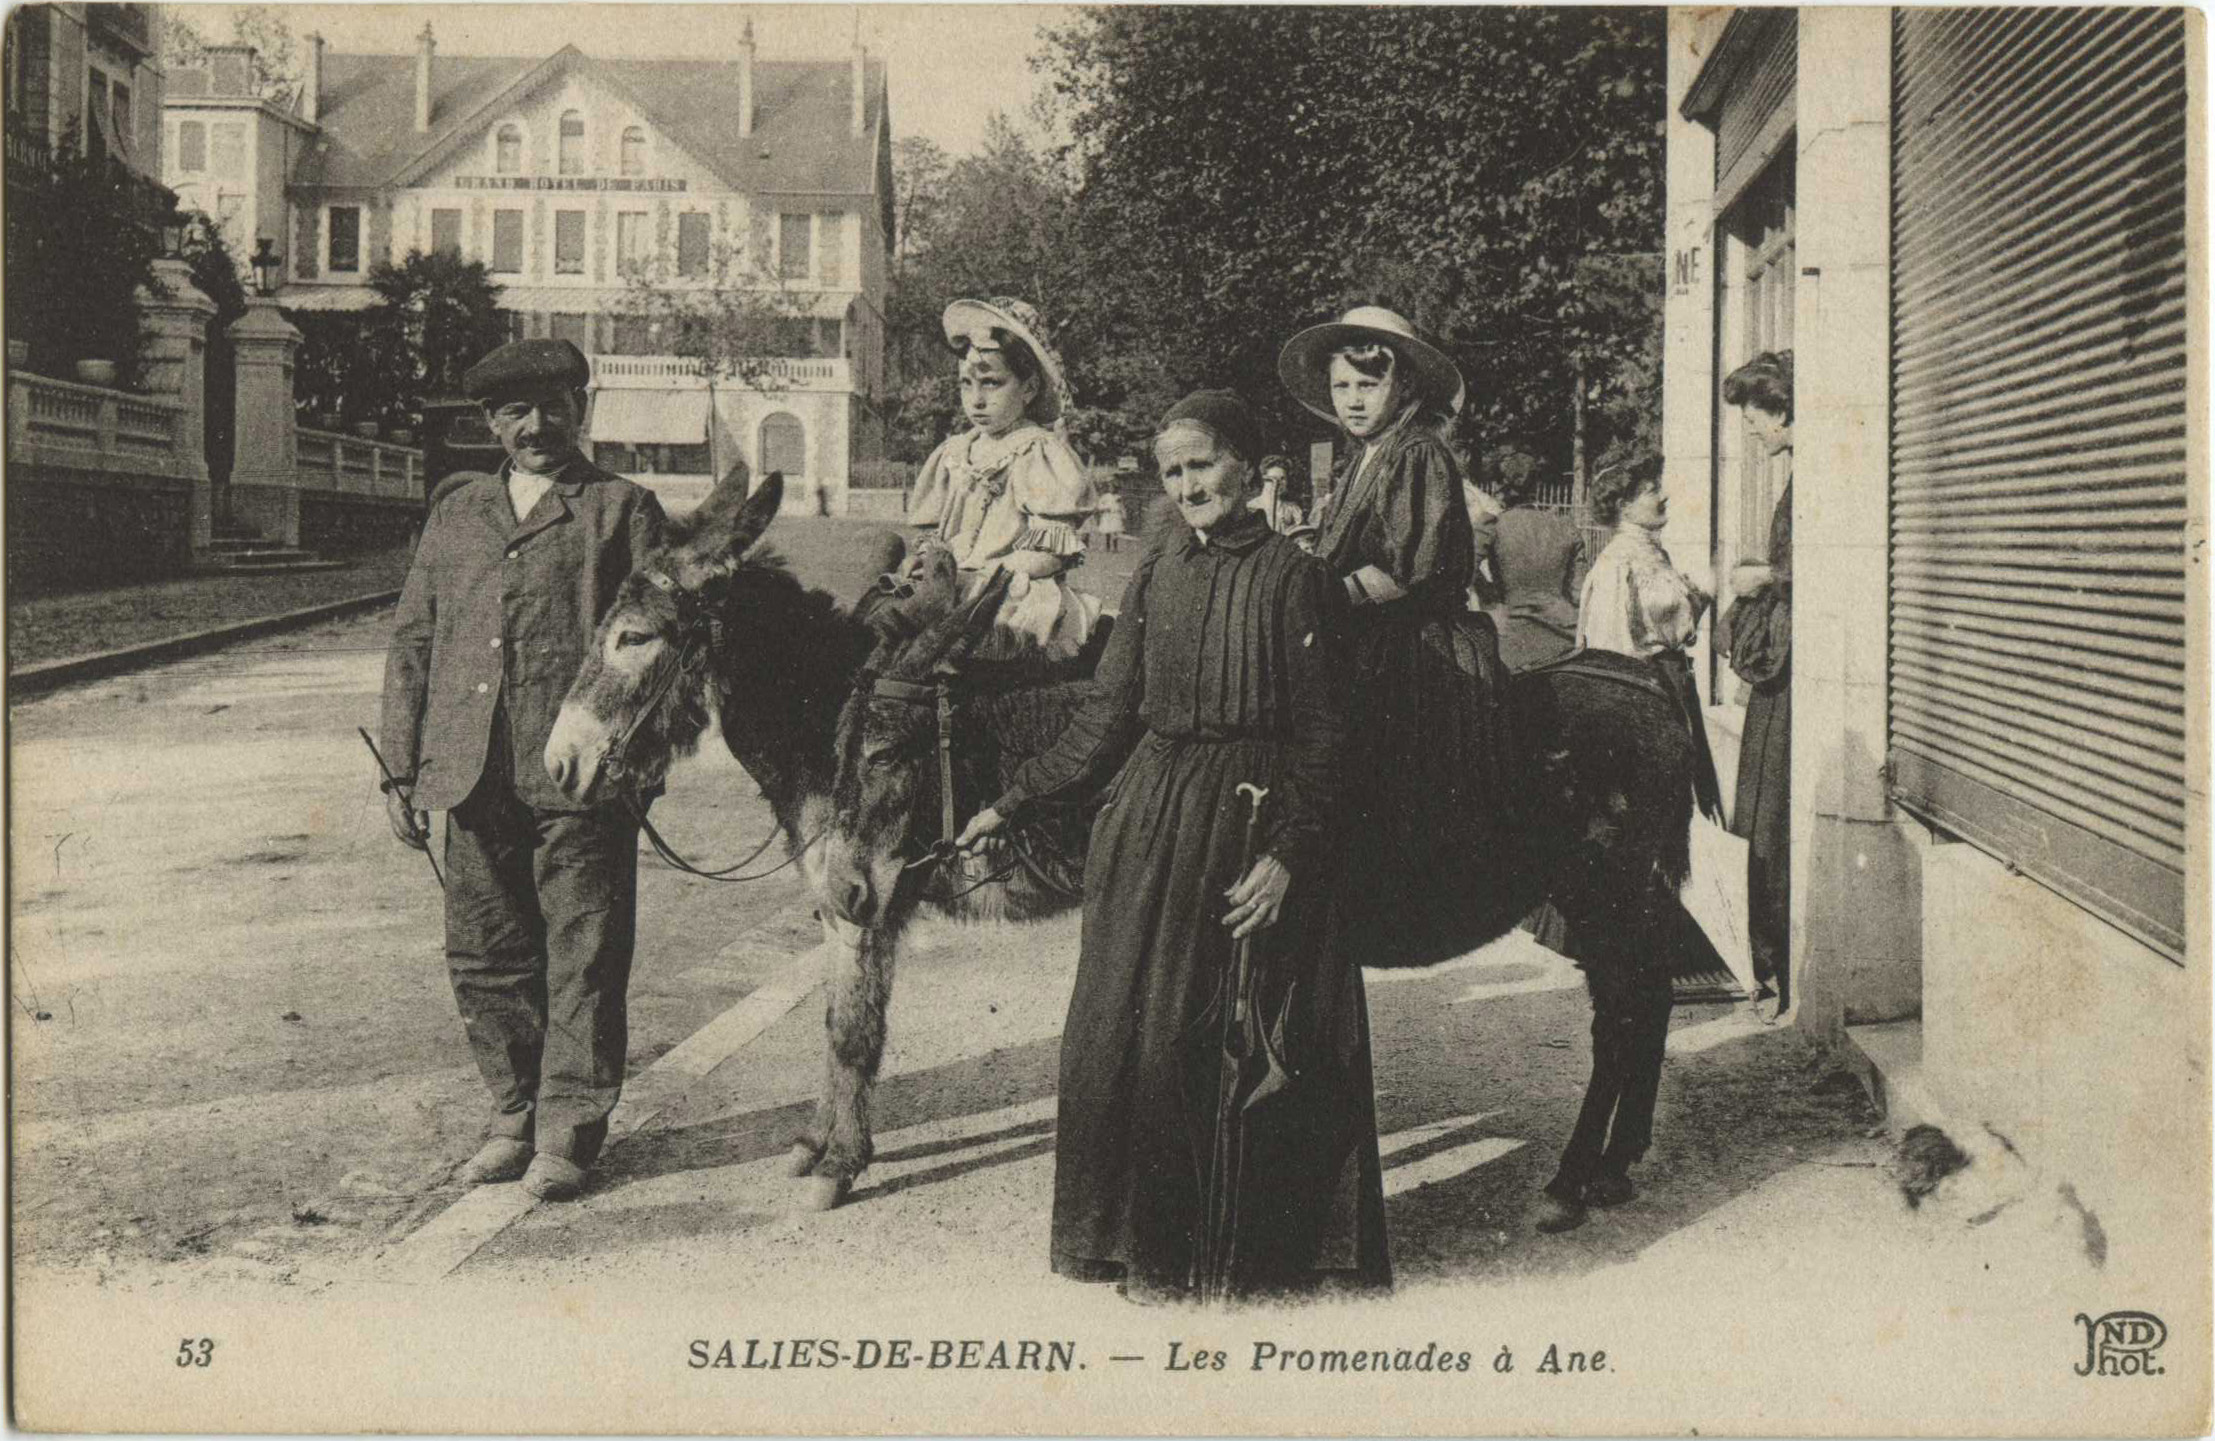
{"points": [[928, 506], [1099, 737], [1056, 497]]}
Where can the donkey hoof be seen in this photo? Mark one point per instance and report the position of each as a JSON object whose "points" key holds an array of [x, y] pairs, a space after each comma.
{"points": [[825, 1193], [801, 1159]]}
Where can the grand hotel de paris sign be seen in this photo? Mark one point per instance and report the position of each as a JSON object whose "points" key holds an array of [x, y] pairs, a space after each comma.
{"points": [[563, 182]]}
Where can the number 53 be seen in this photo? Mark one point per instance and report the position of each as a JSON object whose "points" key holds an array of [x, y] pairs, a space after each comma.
{"points": [[196, 1351]]}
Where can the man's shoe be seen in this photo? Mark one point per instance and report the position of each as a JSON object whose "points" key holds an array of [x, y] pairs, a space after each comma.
{"points": [[1609, 1190], [1556, 1215], [500, 1159], [554, 1178]]}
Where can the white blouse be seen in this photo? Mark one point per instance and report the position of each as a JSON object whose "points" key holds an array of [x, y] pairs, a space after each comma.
{"points": [[1636, 602]]}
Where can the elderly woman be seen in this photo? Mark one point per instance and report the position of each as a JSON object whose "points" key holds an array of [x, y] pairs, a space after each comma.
{"points": [[1217, 675], [1760, 627], [1423, 775]]}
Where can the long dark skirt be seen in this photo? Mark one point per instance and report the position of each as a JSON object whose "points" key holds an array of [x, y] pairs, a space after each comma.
{"points": [[1134, 1137], [1428, 855], [1763, 815]]}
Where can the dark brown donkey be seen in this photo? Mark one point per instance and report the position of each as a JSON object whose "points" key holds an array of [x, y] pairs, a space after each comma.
{"points": [[1596, 815], [712, 631]]}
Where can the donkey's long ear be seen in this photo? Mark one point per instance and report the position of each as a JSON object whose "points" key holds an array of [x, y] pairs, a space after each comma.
{"points": [[728, 523]]}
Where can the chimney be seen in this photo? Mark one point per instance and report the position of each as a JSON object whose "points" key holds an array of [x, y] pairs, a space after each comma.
{"points": [[861, 75], [746, 79], [311, 85], [425, 48], [231, 69]]}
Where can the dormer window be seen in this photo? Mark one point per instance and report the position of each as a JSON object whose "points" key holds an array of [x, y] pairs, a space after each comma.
{"points": [[634, 150], [507, 158], [572, 160]]}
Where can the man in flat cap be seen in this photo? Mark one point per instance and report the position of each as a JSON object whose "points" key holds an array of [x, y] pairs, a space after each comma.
{"points": [[510, 579]]}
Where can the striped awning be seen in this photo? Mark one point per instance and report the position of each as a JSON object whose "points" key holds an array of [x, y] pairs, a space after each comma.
{"points": [[650, 417]]}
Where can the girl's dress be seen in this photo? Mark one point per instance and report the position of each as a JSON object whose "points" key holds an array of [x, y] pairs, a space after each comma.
{"points": [[1428, 858], [988, 497], [1216, 673]]}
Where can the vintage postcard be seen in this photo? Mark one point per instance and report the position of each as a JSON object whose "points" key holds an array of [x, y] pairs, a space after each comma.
{"points": [[1132, 720]]}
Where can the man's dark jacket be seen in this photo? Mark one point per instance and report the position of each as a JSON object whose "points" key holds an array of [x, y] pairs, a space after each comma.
{"points": [[496, 616]]}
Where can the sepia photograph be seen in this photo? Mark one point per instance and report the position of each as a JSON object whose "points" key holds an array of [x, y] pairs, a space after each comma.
{"points": [[1194, 720]]}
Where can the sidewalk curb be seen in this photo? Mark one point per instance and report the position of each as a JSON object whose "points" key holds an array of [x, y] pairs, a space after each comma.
{"points": [[49, 675]]}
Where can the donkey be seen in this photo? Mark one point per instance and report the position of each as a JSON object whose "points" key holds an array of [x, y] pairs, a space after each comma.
{"points": [[1597, 817], [710, 631]]}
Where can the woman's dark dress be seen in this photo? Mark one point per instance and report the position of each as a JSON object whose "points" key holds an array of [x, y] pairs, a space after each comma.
{"points": [[1217, 673], [1535, 555], [1427, 869], [1763, 813]]}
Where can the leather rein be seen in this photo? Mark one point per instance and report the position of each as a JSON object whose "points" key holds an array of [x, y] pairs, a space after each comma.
{"points": [[939, 695], [695, 633]]}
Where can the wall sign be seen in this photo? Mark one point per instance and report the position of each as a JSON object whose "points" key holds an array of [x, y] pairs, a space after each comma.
{"points": [[563, 182]]}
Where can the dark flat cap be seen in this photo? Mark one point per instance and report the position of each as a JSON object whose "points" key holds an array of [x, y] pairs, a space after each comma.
{"points": [[527, 365]]}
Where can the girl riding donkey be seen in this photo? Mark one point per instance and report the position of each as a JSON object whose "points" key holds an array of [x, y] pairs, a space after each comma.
{"points": [[1008, 495]]}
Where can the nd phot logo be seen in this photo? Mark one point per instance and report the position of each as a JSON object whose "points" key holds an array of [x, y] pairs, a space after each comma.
{"points": [[2121, 1343]]}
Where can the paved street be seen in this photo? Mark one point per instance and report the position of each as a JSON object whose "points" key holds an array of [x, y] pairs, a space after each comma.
{"points": [[237, 1073]]}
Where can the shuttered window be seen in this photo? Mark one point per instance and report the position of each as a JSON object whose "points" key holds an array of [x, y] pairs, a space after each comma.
{"points": [[2037, 621]]}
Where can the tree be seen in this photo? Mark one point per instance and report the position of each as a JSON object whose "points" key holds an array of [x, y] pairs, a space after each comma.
{"points": [[732, 315], [435, 315], [83, 232], [1242, 172], [276, 59]]}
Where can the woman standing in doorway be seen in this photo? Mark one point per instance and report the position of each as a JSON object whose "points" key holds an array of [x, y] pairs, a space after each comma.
{"points": [[1760, 626]]}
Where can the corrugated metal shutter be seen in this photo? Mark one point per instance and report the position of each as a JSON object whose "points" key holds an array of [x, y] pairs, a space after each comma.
{"points": [[2037, 703], [1756, 112]]}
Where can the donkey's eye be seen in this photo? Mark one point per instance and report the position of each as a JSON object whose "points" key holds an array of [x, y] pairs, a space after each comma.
{"points": [[624, 639]]}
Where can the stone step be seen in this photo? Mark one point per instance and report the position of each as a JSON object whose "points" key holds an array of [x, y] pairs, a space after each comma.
{"points": [[263, 564]]}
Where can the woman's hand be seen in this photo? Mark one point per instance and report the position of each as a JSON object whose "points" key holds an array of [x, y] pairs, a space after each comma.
{"points": [[1257, 900], [987, 822], [1750, 578]]}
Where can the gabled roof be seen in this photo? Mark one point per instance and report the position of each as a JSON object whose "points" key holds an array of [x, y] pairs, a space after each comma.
{"points": [[802, 141]]}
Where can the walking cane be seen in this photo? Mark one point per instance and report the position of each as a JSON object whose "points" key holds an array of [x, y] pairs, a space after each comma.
{"points": [[393, 784], [1225, 1177]]}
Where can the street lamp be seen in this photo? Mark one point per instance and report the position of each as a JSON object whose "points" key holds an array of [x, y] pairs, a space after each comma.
{"points": [[268, 265], [173, 237]]}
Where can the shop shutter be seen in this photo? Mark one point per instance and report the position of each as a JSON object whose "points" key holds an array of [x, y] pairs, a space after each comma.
{"points": [[2037, 620]]}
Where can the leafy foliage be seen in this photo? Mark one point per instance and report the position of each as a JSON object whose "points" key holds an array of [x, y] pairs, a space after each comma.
{"points": [[83, 233], [435, 315], [735, 317], [1241, 172], [276, 59]]}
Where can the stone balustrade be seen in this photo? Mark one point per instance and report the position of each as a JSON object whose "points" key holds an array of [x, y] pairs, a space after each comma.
{"points": [[351, 466], [92, 430]]}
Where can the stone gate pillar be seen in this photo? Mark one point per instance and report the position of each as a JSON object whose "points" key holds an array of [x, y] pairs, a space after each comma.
{"points": [[174, 359], [265, 481]]}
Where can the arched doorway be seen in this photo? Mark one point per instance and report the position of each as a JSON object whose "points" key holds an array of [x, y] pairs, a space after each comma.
{"points": [[784, 446]]}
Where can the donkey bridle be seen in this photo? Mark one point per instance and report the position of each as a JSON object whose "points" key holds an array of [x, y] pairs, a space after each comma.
{"points": [[695, 629]]}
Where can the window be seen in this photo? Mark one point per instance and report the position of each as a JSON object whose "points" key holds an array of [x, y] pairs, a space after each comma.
{"points": [[572, 160], [569, 242], [192, 147], [634, 151], [230, 151], [792, 246], [692, 243], [507, 242], [345, 239], [508, 151], [513, 320], [577, 330], [1759, 276], [119, 110], [96, 114], [445, 232], [834, 246], [630, 240], [685, 459], [828, 344], [784, 445], [636, 335]]}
